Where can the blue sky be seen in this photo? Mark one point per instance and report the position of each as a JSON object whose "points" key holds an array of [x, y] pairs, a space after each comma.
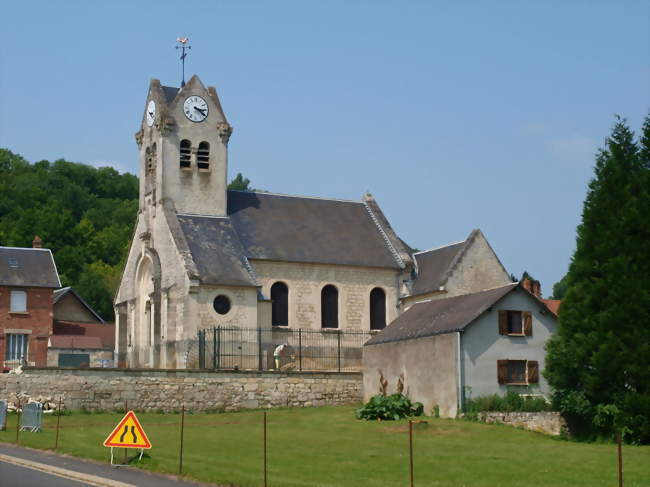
{"points": [[455, 115]]}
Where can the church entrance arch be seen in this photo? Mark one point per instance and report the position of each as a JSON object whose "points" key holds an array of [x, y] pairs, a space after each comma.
{"points": [[146, 335]]}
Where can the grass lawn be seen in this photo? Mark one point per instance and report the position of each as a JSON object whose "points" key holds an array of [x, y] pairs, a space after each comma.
{"points": [[328, 447]]}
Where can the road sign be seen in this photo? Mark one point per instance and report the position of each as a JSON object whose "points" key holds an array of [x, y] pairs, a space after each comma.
{"points": [[128, 434]]}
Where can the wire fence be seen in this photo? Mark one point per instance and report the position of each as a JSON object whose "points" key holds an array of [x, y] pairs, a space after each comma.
{"points": [[277, 349]]}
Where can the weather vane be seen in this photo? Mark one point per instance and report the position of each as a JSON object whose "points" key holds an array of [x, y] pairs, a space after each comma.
{"points": [[183, 47]]}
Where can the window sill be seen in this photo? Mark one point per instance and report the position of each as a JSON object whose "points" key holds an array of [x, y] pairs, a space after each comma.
{"points": [[330, 330], [516, 335], [19, 313], [516, 383]]}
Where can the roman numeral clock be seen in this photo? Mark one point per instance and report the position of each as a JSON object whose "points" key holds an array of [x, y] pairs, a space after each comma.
{"points": [[195, 108]]}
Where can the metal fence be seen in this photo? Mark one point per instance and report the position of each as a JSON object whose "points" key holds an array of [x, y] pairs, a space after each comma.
{"points": [[253, 349]]}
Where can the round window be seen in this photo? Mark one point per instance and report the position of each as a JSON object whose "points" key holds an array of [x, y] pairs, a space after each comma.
{"points": [[221, 304]]}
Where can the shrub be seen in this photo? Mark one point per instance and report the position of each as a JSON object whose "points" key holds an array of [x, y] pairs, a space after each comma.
{"points": [[393, 407], [511, 401]]}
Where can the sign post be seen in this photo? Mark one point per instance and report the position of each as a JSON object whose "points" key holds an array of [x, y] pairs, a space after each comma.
{"points": [[128, 434]]}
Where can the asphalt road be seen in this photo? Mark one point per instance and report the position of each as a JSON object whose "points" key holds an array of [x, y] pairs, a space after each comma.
{"points": [[24, 467], [15, 476]]}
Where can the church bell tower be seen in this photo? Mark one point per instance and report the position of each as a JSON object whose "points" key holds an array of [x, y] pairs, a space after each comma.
{"points": [[183, 145]]}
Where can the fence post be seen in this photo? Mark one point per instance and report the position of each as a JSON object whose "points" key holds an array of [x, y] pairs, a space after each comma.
{"points": [[411, 451], [218, 347], [17, 421], [214, 347], [201, 349], [259, 348], [620, 459], [58, 420], [300, 349], [264, 448], [180, 456], [338, 354]]}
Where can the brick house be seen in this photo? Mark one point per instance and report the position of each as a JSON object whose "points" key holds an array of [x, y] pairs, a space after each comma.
{"points": [[28, 277], [42, 324]]}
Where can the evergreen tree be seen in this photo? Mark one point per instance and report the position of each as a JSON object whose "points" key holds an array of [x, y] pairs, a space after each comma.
{"points": [[598, 363], [559, 288], [240, 183]]}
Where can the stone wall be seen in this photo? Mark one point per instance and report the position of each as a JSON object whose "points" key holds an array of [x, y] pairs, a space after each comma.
{"points": [[167, 390], [551, 423], [305, 282]]}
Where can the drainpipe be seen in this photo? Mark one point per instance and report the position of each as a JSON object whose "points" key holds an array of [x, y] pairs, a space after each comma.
{"points": [[460, 384]]}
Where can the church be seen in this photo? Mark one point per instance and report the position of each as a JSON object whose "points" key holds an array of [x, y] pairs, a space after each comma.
{"points": [[203, 255]]}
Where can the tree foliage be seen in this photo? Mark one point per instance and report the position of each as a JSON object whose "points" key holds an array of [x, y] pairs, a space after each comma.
{"points": [[240, 183], [599, 361], [559, 288], [85, 215]]}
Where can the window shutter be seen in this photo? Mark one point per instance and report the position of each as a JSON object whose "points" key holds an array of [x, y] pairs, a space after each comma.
{"points": [[503, 322], [502, 371], [533, 372], [528, 323]]}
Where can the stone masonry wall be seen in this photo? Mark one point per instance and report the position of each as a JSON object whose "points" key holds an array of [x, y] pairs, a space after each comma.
{"points": [[167, 390], [549, 422]]}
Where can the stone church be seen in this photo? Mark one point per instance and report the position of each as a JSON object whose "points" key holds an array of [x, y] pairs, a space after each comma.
{"points": [[203, 255]]}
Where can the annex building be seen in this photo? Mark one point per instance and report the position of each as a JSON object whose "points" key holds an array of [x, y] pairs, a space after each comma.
{"points": [[203, 256]]}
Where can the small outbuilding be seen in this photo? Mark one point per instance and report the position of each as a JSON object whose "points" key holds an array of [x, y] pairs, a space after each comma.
{"points": [[443, 351]]}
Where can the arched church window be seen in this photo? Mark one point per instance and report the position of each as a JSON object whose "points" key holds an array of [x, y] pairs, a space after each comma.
{"points": [[221, 304], [377, 309], [329, 307], [186, 154], [203, 156], [280, 304]]}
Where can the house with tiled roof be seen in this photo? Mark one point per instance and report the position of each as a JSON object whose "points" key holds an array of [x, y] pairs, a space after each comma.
{"points": [[446, 350]]}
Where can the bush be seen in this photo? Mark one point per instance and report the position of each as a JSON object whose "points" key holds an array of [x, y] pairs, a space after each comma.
{"points": [[393, 407], [511, 401]]}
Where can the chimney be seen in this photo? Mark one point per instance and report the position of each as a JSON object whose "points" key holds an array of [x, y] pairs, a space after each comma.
{"points": [[37, 243], [537, 289], [527, 285]]}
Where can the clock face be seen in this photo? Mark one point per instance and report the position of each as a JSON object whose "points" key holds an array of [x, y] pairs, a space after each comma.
{"points": [[195, 108], [151, 112]]}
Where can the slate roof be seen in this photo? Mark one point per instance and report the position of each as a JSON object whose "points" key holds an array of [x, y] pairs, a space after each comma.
{"points": [[440, 316], [433, 265], [28, 267], [216, 250], [170, 93], [310, 230], [58, 294]]}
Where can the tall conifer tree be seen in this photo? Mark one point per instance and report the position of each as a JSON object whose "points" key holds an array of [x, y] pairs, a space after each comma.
{"points": [[599, 361]]}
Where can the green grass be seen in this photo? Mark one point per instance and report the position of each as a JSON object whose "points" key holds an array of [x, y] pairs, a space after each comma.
{"points": [[328, 447]]}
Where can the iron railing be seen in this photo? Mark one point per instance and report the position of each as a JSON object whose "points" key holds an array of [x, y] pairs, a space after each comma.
{"points": [[232, 348]]}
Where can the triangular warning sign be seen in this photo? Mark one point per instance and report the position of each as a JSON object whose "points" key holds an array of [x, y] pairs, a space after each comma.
{"points": [[128, 434]]}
